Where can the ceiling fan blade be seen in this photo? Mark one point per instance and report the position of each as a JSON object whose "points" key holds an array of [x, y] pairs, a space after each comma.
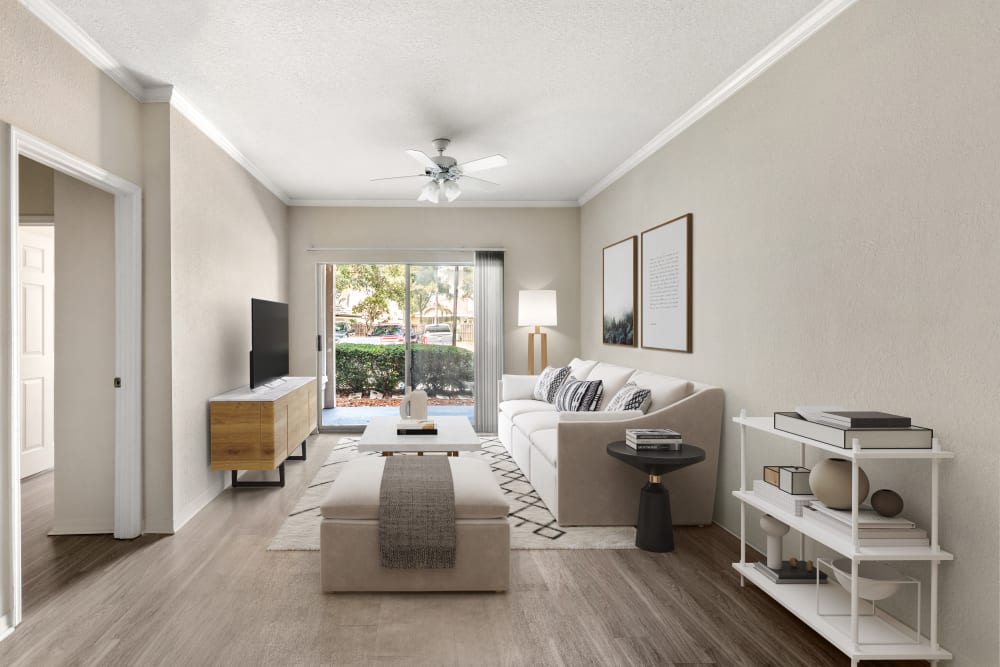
{"points": [[422, 158], [481, 180], [394, 178], [483, 163]]}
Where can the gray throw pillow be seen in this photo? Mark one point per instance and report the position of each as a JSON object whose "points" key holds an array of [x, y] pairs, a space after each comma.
{"points": [[579, 395], [549, 382]]}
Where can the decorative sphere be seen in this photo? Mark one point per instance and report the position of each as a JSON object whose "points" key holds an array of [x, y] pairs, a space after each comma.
{"points": [[887, 502], [830, 481]]}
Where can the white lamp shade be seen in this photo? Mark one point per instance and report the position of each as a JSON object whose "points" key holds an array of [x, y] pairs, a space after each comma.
{"points": [[536, 308], [451, 190]]}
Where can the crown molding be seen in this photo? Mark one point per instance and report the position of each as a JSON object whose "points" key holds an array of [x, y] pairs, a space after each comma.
{"points": [[772, 53], [74, 35], [413, 203], [212, 131]]}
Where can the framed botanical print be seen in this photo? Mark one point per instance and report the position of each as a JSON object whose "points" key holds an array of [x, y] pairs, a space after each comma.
{"points": [[619, 309]]}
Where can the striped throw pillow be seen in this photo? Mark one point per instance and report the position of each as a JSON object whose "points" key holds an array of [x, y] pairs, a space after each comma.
{"points": [[630, 397], [549, 382], [579, 395]]}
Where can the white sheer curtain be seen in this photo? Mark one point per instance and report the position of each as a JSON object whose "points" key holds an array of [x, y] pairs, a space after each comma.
{"points": [[488, 287]]}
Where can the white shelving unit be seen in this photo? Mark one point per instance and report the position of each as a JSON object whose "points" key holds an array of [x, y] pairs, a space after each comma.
{"points": [[860, 637]]}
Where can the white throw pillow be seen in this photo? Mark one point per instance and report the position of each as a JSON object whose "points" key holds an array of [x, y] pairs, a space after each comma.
{"points": [[549, 382], [518, 387], [630, 397]]}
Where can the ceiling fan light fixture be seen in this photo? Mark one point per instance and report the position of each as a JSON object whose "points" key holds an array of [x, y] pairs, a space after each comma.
{"points": [[451, 190], [431, 192]]}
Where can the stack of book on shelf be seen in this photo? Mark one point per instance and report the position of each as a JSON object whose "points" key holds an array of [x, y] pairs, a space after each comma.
{"points": [[838, 427], [663, 439], [874, 530], [416, 427]]}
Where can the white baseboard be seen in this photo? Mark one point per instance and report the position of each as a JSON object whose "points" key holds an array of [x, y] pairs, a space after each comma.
{"points": [[83, 527], [6, 627], [159, 527], [188, 511]]}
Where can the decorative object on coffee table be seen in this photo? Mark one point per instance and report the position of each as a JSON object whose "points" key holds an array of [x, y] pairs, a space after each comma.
{"points": [[830, 481], [454, 435], [887, 502], [666, 285], [654, 528], [537, 308], [618, 327]]}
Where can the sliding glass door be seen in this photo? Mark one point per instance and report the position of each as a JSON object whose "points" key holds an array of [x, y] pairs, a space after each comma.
{"points": [[392, 326]]}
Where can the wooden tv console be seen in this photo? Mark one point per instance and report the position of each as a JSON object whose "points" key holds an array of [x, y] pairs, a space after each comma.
{"points": [[259, 429]]}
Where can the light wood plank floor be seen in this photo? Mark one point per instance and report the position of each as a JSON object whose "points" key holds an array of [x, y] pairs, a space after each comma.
{"points": [[213, 595]]}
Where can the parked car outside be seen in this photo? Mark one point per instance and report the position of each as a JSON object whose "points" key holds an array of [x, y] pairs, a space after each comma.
{"points": [[342, 330], [437, 334]]}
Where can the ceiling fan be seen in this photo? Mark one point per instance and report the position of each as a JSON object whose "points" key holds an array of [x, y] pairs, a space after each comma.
{"points": [[444, 172]]}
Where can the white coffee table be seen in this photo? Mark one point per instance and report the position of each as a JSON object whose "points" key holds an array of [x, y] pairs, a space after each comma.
{"points": [[455, 434]]}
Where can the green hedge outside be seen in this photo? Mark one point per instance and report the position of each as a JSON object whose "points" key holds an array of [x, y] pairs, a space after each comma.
{"points": [[437, 369]]}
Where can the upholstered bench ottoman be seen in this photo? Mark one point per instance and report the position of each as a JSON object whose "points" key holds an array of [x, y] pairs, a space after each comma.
{"points": [[349, 547]]}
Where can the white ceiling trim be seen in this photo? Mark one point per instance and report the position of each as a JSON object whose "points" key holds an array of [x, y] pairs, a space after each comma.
{"points": [[413, 203], [64, 26], [779, 48]]}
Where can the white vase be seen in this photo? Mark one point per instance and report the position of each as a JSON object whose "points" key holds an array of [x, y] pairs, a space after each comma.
{"points": [[413, 405]]}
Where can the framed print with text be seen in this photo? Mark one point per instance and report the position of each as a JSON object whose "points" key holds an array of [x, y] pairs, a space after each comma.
{"points": [[619, 310], [666, 285]]}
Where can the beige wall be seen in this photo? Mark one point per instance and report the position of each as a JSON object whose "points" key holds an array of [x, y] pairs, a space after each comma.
{"points": [[35, 188], [542, 253], [84, 358], [228, 240], [846, 250], [66, 101]]}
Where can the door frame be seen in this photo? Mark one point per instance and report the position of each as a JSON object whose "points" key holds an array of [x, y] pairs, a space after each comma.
{"points": [[14, 143]]}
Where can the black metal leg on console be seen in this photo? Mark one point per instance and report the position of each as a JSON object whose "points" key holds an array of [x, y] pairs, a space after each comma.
{"points": [[298, 458], [655, 530], [280, 481]]}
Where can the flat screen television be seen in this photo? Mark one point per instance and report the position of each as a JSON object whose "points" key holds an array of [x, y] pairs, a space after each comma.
{"points": [[269, 341]]}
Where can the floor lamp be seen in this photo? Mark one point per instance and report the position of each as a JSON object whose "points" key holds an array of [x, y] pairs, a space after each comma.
{"points": [[536, 308]]}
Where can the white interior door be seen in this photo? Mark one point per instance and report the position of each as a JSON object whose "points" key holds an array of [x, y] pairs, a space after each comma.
{"points": [[36, 253]]}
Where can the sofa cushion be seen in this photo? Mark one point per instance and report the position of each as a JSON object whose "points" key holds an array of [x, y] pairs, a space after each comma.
{"points": [[579, 395], [515, 408], [580, 368], [629, 397], [549, 382], [518, 387], [602, 416], [530, 422], [614, 378], [355, 492], [664, 390], [546, 443]]}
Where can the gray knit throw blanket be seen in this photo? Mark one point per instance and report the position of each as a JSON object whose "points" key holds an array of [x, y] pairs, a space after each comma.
{"points": [[416, 514]]}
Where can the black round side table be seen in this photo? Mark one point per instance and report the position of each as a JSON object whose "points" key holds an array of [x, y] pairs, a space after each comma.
{"points": [[654, 528]]}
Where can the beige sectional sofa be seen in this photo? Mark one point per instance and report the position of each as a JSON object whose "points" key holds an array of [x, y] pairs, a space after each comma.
{"points": [[564, 454]]}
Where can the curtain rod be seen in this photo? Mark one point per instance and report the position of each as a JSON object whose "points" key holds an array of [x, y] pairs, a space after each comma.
{"points": [[385, 249]]}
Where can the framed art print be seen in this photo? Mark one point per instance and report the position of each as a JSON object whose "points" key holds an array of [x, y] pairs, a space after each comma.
{"points": [[666, 285], [619, 311]]}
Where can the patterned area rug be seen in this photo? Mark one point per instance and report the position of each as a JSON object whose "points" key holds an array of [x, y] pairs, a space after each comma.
{"points": [[532, 526]]}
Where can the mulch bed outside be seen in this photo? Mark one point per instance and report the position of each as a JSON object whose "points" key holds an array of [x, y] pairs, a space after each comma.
{"points": [[343, 401]]}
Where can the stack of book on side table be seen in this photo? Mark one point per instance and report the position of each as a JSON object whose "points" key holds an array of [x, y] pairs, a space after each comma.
{"points": [[839, 427], [874, 530], [785, 486], [662, 439]]}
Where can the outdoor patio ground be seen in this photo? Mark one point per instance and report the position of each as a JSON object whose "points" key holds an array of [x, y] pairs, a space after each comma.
{"points": [[359, 416]]}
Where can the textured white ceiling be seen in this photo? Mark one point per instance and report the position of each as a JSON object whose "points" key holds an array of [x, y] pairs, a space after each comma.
{"points": [[324, 96]]}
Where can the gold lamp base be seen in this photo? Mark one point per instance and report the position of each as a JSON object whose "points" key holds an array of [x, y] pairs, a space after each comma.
{"points": [[531, 350]]}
